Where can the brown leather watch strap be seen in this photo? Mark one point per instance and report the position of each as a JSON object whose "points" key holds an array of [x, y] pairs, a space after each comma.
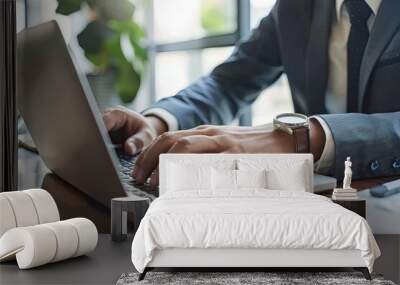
{"points": [[301, 139]]}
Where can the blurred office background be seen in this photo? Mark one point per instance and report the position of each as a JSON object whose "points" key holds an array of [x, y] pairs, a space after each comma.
{"points": [[184, 40]]}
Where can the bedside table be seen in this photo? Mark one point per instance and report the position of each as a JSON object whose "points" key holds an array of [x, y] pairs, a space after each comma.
{"points": [[357, 206]]}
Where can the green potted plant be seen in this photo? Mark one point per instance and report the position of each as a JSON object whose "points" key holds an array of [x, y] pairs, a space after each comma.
{"points": [[113, 42]]}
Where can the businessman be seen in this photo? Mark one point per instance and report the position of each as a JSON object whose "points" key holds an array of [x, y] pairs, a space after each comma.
{"points": [[342, 59]]}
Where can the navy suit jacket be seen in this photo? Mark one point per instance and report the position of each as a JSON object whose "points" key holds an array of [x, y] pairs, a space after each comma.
{"points": [[294, 39]]}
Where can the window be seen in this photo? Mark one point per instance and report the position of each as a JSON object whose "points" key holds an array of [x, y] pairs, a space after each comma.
{"points": [[177, 69], [190, 43], [186, 40], [193, 19]]}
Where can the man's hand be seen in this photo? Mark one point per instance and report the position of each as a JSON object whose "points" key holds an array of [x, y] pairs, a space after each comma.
{"points": [[220, 139], [132, 129]]}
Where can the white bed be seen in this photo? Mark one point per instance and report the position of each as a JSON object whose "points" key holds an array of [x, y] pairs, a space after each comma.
{"points": [[248, 227]]}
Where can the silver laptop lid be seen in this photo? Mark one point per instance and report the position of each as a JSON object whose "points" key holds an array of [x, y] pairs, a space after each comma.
{"points": [[62, 115]]}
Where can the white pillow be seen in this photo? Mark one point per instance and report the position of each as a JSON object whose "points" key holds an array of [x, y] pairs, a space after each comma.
{"points": [[229, 179], [282, 174], [223, 179], [251, 178], [294, 178], [184, 177]]}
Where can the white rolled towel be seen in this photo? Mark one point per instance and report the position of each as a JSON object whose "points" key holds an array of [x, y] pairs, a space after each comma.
{"points": [[41, 244], [26, 208], [7, 218], [45, 206]]}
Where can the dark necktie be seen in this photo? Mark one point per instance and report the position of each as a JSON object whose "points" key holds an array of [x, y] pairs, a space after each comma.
{"points": [[359, 13]]}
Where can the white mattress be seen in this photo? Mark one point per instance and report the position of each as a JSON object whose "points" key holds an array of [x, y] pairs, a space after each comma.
{"points": [[253, 219]]}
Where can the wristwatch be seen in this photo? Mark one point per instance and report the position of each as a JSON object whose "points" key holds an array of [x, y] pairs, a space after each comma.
{"points": [[296, 125]]}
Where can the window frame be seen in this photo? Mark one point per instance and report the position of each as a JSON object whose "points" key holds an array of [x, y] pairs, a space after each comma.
{"points": [[243, 22]]}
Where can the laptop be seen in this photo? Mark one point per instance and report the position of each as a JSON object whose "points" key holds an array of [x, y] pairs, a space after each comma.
{"points": [[63, 118]]}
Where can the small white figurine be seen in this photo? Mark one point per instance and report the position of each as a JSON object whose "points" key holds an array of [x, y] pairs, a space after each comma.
{"points": [[346, 193], [347, 174]]}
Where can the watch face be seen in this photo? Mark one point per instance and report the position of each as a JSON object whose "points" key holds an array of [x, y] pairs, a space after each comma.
{"points": [[292, 119]]}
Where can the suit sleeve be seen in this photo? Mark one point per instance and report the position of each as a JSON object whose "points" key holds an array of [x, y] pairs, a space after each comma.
{"points": [[220, 96], [371, 140]]}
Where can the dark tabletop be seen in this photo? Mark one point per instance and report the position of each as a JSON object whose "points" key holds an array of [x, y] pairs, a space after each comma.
{"points": [[103, 266]]}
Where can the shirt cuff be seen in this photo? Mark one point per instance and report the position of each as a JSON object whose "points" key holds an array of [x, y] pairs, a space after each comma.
{"points": [[324, 164], [164, 115]]}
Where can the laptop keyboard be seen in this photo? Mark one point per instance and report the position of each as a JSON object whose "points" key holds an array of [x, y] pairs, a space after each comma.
{"points": [[127, 163]]}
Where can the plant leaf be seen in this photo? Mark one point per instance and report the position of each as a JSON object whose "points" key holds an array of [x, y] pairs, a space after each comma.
{"points": [[135, 34], [99, 59], [127, 77], [120, 10], [140, 52], [66, 7], [93, 37], [128, 82], [113, 42]]}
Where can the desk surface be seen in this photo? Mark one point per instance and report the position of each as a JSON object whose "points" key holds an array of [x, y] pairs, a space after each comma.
{"points": [[103, 266]]}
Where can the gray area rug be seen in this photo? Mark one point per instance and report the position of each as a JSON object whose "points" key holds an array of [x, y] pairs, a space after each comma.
{"points": [[243, 278]]}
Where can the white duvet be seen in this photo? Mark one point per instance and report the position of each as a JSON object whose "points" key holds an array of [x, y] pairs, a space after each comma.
{"points": [[250, 219]]}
